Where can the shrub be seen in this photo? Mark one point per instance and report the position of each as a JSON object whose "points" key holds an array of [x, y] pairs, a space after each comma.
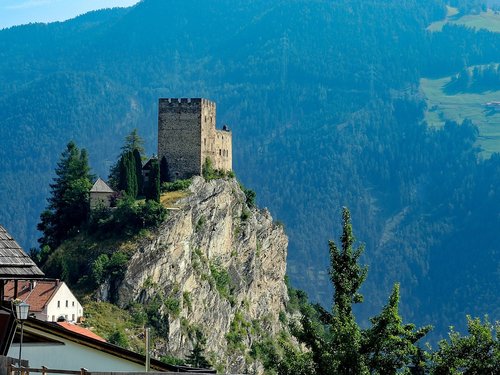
{"points": [[176, 185]]}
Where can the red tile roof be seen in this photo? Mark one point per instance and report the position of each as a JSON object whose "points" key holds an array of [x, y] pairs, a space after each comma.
{"points": [[80, 330], [37, 297]]}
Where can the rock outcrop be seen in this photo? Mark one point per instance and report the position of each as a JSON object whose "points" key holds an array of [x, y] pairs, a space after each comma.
{"points": [[217, 268]]}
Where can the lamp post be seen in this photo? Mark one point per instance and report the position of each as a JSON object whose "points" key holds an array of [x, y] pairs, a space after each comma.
{"points": [[22, 310]]}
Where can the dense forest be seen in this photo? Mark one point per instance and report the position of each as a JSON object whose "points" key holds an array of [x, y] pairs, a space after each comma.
{"points": [[323, 100]]}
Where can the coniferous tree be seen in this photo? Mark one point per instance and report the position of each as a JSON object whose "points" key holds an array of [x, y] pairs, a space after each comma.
{"points": [[347, 276], [389, 345], [68, 205], [152, 190], [132, 142], [163, 170], [138, 170], [127, 176]]}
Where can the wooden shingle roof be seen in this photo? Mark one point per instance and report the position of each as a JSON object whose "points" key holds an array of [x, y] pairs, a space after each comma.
{"points": [[15, 264]]}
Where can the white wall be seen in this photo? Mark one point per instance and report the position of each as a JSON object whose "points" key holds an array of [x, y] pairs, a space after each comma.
{"points": [[63, 303], [71, 356]]}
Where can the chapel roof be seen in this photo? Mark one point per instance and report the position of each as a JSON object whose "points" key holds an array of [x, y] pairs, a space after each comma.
{"points": [[101, 187]]}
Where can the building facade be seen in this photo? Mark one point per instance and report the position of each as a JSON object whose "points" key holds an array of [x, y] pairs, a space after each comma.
{"points": [[187, 137]]}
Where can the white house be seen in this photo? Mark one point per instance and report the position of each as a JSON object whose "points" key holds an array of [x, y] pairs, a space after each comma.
{"points": [[49, 300], [70, 347]]}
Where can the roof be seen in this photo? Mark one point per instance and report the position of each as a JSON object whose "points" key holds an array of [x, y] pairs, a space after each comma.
{"points": [[37, 295], [147, 165], [80, 330], [62, 332], [101, 187], [15, 264]]}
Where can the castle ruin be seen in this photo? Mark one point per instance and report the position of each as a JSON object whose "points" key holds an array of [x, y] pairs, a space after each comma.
{"points": [[187, 137]]}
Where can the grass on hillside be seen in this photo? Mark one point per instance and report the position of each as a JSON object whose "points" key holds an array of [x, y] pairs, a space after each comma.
{"points": [[169, 199], [106, 319], [489, 20], [461, 106]]}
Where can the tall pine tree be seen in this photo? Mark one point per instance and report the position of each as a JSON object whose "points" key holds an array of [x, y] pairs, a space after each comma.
{"points": [[68, 204], [152, 189]]}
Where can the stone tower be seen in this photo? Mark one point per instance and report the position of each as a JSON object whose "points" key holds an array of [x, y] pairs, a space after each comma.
{"points": [[187, 137]]}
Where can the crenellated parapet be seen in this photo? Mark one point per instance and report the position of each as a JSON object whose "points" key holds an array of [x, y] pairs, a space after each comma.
{"points": [[187, 136]]}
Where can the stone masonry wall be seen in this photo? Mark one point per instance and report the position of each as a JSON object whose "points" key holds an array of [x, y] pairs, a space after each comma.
{"points": [[179, 136], [187, 137]]}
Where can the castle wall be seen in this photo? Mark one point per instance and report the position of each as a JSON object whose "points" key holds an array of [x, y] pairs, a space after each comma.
{"points": [[224, 150], [187, 136], [179, 136]]}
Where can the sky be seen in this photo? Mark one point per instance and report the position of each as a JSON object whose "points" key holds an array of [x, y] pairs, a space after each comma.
{"points": [[19, 12]]}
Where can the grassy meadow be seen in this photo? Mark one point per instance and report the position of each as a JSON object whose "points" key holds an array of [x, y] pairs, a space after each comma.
{"points": [[489, 20], [457, 107]]}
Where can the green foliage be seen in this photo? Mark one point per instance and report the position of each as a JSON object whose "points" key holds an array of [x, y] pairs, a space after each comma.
{"points": [[127, 180], [476, 353], [119, 338], [129, 218], [176, 185], [164, 172], [250, 197], [133, 141], [389, 345], [238, 332], [68, 205], [171, 360], [196, 357], [245, 214], [210, 173], [152, 188], [138, 171], [223, 282], [345, 272], [172, 306], [337, 344]]}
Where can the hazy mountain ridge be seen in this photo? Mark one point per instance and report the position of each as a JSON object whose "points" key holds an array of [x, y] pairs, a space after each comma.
{"points": [[322, 99]]}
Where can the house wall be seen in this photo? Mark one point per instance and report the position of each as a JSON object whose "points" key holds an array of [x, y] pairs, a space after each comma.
{"points": [[63, 303], [71, 356], [100, 198]]}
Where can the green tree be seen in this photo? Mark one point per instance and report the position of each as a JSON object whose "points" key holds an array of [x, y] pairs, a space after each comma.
{"points": [[68, 205], [138, 170], [476, 353], [152, 189], [196, 357], [347, 276], [133, 141], [389, 345], [163, 170], [127, 176]]}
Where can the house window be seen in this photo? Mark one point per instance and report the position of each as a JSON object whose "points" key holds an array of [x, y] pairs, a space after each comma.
{"points": [[58, 304], [73, 317], [73, 303], [53, 318], [67, 303]]}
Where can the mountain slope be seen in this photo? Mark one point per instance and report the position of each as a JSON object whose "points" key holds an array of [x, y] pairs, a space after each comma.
{"points": [[324, 106]]}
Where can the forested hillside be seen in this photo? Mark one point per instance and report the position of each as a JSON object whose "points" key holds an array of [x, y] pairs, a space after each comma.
{"points": [[324, 104]]}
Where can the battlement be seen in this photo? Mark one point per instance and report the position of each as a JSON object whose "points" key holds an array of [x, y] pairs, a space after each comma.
{"points": [[187, 136]]}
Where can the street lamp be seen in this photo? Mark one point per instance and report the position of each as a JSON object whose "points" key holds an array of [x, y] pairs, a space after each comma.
{"points": [[22, 310]]}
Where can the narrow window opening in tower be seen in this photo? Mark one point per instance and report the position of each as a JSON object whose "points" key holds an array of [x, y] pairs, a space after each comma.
{"points": [[220, 152]]}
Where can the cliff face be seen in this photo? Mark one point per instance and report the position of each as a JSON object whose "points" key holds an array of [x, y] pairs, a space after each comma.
{"points": [[217, 268]]}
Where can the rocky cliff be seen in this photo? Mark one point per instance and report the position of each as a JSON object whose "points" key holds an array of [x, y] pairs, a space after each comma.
{"points": [[215, 269]]}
